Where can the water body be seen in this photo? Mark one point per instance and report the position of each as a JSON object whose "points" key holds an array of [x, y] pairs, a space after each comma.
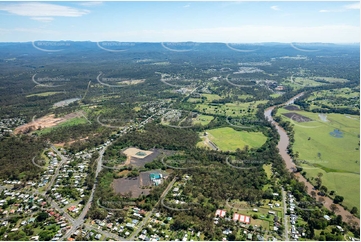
{"points": [[284, 140], [282, 147], [65, 102]]}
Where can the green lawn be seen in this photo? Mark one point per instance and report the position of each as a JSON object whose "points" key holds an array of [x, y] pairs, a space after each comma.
{"points": [[337, 158], [203, 119], [329, 79], [230, 139], [231, 109], [43, 94], [345, 184], [211, 97], [244, 96], [274, 95], [335, 98], [268, 170]]}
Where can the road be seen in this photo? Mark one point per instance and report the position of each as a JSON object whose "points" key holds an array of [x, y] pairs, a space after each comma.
{"points": [[106, 233], [80, 220], [145, 220], [56, 173], [285, 216]]}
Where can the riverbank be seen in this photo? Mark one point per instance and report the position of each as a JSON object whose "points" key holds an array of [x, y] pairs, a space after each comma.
{"points": [[291, 167]]}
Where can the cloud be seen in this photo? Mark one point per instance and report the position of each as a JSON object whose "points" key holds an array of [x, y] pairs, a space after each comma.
{"points": [[36, 10], [186, 6], [241, 34], [43, 19], [276, 8], [354, 6], [90, 4]]}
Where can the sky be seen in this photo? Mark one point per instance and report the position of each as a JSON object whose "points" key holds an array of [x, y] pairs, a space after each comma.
{"points": [[227, 22]]}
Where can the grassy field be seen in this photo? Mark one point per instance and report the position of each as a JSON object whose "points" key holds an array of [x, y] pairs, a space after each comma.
{"points": [[329, 79], [230, 139], [298, 82], [268, 170], [231, 109], [194, 100], [43, 94], [336, 98], [244, 96], [71, 122], [337, 158], [275, 95], [211, 97], [203, 119], [344, 184]]}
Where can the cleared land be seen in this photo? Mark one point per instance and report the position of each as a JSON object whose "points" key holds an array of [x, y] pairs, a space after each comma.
{"points": [[230, 139], [211, 97], [70, 122], [134, 153], [131, 82], [43, 94], [202, 119], [230, 109], [46, 122], [132, 186], [298, 82], [336, 157], [335, 98]]}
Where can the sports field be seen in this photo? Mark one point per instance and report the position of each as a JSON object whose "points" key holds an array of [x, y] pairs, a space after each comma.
{"points": [[230, 139], [331, 147]]}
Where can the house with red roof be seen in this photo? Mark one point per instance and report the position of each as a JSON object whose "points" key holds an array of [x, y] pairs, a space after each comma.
{"points": [[221, 213], [241, 218]]}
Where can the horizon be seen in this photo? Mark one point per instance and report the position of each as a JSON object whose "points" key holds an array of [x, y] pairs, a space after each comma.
{"points": [[200, 22], [160, 42]]}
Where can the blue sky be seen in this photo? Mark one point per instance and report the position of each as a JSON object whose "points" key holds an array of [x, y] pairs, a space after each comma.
{"points": [[229, 22]]}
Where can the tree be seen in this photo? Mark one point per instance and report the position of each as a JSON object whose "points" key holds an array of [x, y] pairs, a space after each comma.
{"points": [[334, 208], [354, 210], [42, 216], [323, 188], [338, 199]]}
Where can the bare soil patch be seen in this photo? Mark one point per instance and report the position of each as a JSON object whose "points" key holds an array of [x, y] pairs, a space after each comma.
{"points": [[132, 82], [297, 117], [292, 108], [45, 122], [138, 160], [133, 153], [132, 186]]}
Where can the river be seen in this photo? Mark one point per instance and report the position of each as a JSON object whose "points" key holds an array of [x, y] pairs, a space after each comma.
{"points": [[282, 150]]}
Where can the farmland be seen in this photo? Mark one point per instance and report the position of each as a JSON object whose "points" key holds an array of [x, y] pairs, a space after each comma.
{"points": [[202, 119], [231, 109], [230, 139], [335, 98], [336, 157]]}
